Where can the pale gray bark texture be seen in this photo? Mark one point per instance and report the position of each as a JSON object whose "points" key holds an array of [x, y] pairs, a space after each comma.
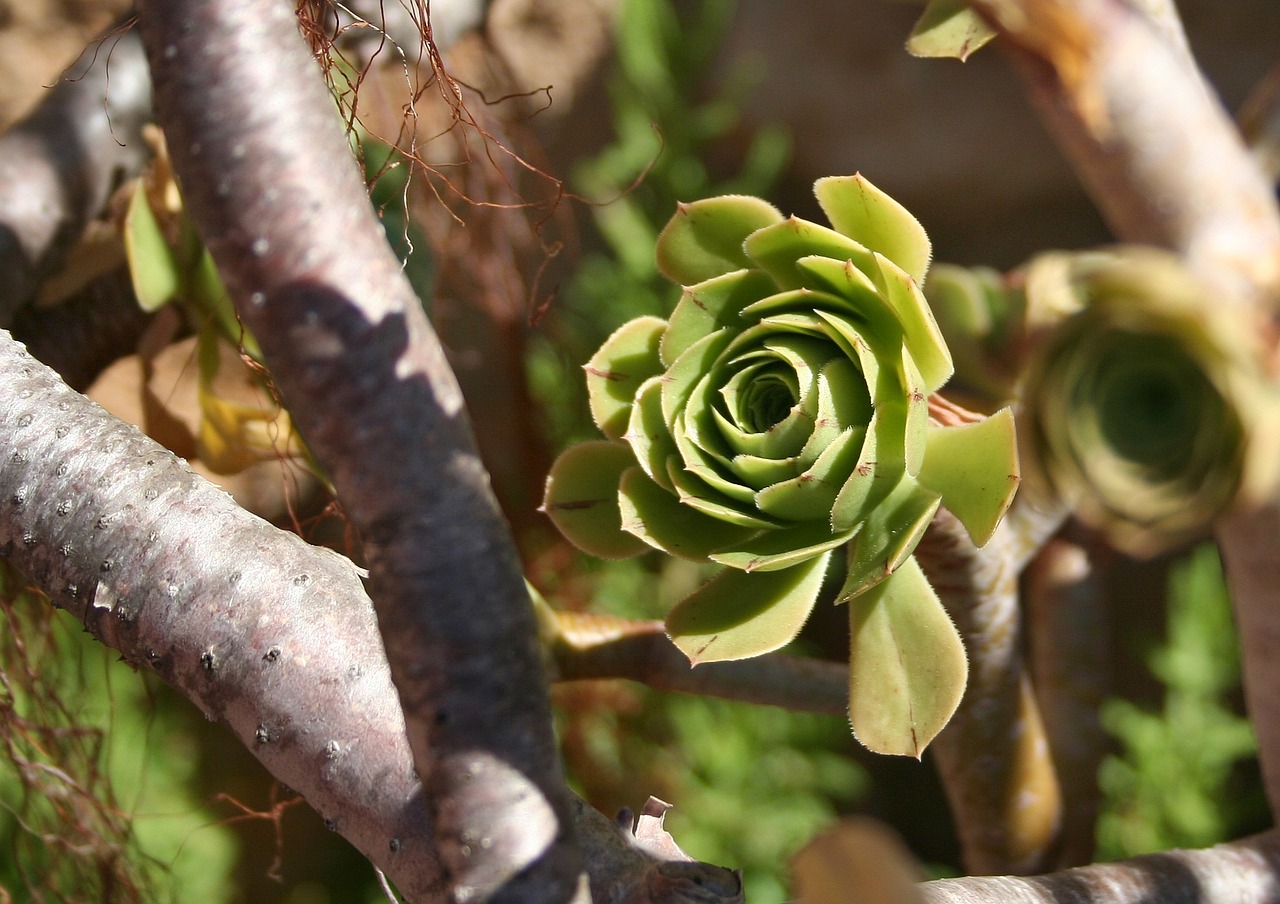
{"points": [[268, 635], [272, 637], [1242, 872], [270, 181]]}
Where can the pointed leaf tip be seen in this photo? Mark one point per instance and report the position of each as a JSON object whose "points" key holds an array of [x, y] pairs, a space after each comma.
{"points": [[949, 28], [907, 664], [864, 213], [582, 499], [704, 238], [974, 467]]}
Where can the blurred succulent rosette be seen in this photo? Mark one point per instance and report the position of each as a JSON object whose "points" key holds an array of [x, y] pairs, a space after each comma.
{"points": [[1146, 405], [780, 417]]}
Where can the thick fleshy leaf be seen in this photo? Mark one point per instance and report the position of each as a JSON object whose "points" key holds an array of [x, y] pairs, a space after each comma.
{"points": [[948, 29], [916, 438], [581, 499], [777, 248], [864, 485], [889, 534], [811, 495], [614, 374], [155, 271], [737, 614], [658, 518], [922, 336], [775, 549], [695, 491], [907, 666], [648, 434], [975, 469], [692, 366], [867, 215], [704, 239], [708, 306]]}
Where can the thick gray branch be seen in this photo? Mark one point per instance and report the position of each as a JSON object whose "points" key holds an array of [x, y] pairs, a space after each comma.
{"points": [[59, 166], [270, 181], [1242, 872], [263, 632], [272, 637]]}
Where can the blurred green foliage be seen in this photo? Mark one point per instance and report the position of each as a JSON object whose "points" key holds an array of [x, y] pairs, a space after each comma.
{"points": [[663, 131], [98, 799], [1177, 779]]}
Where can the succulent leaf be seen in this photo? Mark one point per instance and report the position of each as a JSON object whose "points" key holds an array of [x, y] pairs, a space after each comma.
{"points": [[874, 220], [887, 537], [581, 499], [156, 273], [949, 28], [740, 614], [651, 513], [1147, 405], [974, 467], [776, 249], [708, 306], [615, 372], [907, 664], [780, 414], [704, 239]]}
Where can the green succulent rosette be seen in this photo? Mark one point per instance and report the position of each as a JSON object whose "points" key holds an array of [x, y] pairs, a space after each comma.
{"points": [[1146, 406], [780, 417]]}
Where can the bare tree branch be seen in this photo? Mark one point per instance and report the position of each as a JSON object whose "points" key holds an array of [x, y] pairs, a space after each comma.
{"points": [[272, 637], [993, 755], [1165, 165], [1242, 871], [271, 183], [59, 166], [1068, 623], [601, 646]]}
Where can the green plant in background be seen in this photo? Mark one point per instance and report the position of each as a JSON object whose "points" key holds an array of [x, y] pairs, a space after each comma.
{"points": [[780, 414], [663, 135], [1145, 404], [97, 796], [1174, 782]]}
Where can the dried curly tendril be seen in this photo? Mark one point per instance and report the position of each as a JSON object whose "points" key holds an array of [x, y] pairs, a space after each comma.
{"points": [[780, 417], [1146, 405]]}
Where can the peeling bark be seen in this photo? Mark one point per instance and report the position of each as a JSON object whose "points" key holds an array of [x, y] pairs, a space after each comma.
{"points": [[271, 183]]}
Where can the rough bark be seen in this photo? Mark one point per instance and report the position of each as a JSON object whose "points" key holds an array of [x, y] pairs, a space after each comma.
{"points": [[1242, 871], [272, 637], [266, 634], [1164, 163], [271, 183], [993, 756]]}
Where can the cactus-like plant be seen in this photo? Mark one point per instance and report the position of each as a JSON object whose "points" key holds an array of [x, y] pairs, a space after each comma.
{"points": [[782, 414], [1146, 405]]}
